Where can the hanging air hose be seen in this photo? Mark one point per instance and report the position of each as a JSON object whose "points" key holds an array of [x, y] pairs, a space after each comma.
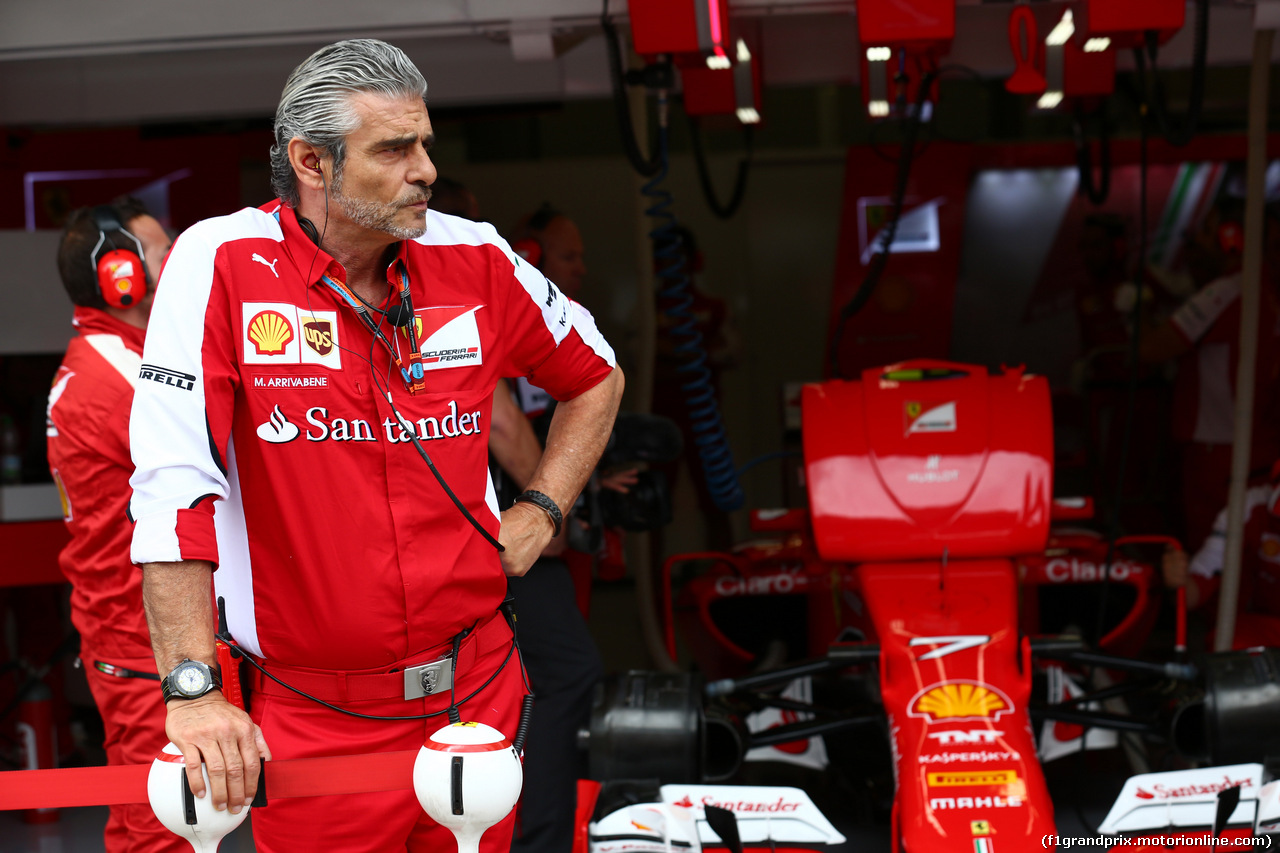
{"points": [[724, 211], [1177, 136], [698, 390], [674, 288], [1097, 195], [646, 166], [911, 123]]}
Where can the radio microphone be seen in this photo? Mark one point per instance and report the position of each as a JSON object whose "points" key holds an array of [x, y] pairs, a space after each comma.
{"points": [[398, 315]]}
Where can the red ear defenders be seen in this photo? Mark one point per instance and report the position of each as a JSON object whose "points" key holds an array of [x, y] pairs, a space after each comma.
{"points": [[530, 248], [1231, 238], [122, 275]]}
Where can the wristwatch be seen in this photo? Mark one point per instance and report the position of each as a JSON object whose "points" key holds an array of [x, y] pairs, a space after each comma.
{"points": [[190, 679]]}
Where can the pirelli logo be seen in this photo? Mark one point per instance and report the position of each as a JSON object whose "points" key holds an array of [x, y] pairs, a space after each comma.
{"points": [[990, 777], [165, 376]]}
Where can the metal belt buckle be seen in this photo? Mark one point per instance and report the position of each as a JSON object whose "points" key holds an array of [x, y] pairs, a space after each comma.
{"points": [[428, 679]]}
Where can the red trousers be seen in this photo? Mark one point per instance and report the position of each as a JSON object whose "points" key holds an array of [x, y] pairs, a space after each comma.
{"points": [[133, 714], [1253, 629], [382, 822]]}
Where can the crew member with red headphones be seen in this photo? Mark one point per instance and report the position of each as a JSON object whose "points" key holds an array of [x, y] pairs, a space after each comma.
{"points": [[109, 258], [559, 652], [1202, 335]]}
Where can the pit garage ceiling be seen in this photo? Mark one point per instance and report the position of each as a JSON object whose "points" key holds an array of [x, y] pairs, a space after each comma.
{"points": [[78, 62]]}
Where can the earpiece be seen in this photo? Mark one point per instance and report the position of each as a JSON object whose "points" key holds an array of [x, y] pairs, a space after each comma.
{"points": [[122, 273]]}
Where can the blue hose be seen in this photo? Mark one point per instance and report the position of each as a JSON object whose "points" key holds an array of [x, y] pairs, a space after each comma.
{"points": [[699, 394]]}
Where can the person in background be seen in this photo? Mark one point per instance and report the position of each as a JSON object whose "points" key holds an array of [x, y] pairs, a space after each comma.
{"points": [[453, 198], [109, 258], [1202, 336], [563, 662], [1258, 612]]}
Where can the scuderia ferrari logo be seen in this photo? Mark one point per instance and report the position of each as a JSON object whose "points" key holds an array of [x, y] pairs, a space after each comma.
{"points": [[448, 336]]}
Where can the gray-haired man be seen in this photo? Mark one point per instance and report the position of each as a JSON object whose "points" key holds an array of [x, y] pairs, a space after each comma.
{"points": [[328, 342]]}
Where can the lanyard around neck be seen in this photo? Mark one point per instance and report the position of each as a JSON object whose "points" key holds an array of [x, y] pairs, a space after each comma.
{"points": [[413, 374]]}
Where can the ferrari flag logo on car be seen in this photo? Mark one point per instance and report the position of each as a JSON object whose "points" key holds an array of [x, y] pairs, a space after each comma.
{"points": [[937, 417]]}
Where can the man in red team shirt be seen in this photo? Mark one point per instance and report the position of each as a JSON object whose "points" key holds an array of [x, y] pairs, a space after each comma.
{"points": [[88, 440], [288, 455], [1258, 615], [1203, 336]]}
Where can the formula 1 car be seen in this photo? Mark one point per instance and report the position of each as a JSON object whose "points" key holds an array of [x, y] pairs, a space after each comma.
{"points": [[916, 587]]}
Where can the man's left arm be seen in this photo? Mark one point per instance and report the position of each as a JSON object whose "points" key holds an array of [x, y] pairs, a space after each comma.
{"points": [[580, 429]]}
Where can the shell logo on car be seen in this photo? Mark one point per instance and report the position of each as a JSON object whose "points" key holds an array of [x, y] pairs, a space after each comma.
{"points": [[960, 700]]}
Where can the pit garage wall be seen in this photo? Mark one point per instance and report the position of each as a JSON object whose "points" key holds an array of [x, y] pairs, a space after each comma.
{"points": [[999, 286]]}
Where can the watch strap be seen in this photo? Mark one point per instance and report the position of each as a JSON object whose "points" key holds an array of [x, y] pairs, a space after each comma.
{"points": [[546, 504], [168, 691]]}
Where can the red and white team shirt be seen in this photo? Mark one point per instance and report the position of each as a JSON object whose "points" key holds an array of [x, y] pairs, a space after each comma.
{"points": [[1204, 393], [1260, 555], [271, 449], [87, 430]]}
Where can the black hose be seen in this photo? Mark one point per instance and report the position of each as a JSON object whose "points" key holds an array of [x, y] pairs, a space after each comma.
{"points": [[1097, 195], [724, 211], [1195, 103], [867, 288], [646, 166]]}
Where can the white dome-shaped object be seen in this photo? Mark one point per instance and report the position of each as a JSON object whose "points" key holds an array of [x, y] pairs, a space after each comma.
{"points": [[164, 790], [467, 777]]}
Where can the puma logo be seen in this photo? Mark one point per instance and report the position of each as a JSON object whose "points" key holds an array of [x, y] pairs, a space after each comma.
{"points": [[263, 261]]}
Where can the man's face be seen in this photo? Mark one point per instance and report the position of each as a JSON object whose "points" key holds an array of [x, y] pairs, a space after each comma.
{"points": [[562, 255], [155, 245], [385, 180]]}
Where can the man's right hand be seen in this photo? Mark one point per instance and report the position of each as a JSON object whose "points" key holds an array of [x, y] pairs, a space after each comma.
{"points": [[229, 743], [1175, 568]]}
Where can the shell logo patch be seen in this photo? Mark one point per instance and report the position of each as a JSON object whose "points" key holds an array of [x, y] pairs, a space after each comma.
{"points": [[960, 700], [281, 333], [270, 332]]}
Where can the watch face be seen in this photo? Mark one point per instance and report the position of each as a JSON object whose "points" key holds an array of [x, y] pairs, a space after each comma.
{"points": [[190, 679]]}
